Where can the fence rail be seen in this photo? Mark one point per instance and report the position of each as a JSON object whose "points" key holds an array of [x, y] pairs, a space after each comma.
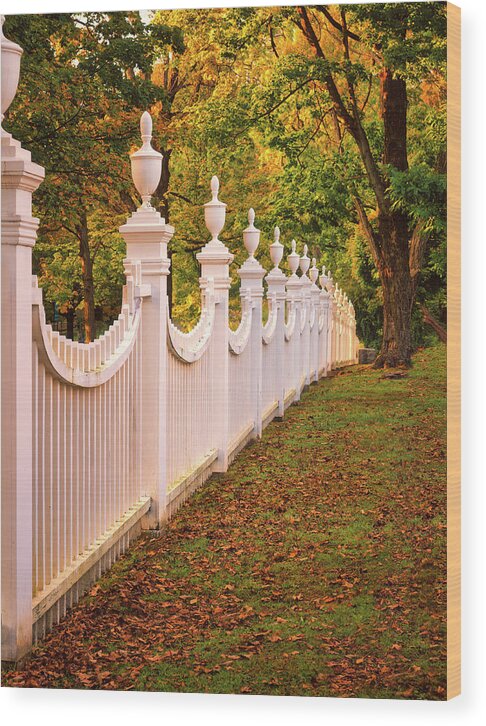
{"points": [[102, 439]]}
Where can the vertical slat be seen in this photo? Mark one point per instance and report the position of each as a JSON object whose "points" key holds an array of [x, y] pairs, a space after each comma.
{"points": [[98, 457], [104, 453], [48, 480], [131, 431], [69, 474], [41, 483], [35, 466], [80, 469], [114, 468], [116, 457], [139, 410], [62, 477], [124, 384], [88, 462], [55, 478]]}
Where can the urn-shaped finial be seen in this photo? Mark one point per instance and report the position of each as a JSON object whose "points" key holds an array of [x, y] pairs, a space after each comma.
{"points": [[293, 258], [11, 54], [146, 163], [323, 279], [304, 261], [215, 213], [313, 272], [276, 249], [251, 235]]}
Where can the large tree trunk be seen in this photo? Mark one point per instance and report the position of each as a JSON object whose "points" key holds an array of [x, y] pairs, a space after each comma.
{"points": [[394, 234], [397, 250], [398, 294], [87, 275]]}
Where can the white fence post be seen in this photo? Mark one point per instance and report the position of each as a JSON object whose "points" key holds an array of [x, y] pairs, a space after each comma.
{"points": [[251, 274], [332, 322], [306, 310], [215, 259], [294, 296], [314, 344], [147, 235], [276, 281], [326, 328], [20, 178]]}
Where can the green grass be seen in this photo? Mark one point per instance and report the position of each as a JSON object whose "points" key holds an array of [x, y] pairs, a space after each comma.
{"points": [[315, 566]]}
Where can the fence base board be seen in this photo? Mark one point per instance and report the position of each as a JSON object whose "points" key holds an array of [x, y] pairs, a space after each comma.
{"points": [[186, 485], [289, 398], [51, 604], [240, 441], [269, 414]]}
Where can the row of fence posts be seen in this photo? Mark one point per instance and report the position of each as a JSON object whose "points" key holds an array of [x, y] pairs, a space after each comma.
{"points": [[147, 268]]}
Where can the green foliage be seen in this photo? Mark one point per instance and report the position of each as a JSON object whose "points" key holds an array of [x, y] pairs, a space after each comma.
{"points": [[235, 92]]}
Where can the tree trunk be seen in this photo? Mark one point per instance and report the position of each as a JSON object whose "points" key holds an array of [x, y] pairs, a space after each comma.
{"points": [[394, 234], [87, 275], [390, 241], [70, 324]]}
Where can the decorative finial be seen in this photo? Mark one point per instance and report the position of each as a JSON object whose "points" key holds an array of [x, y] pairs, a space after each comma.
{"points": [[215, 214], [276, 249], [251, 236], [146, 128], [146, 163], [293, 259], [11, 54], [323, 279], [214, 187], [313, 272], [304, 261]]}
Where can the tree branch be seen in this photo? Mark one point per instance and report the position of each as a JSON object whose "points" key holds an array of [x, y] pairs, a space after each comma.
{"points": [[323, 9], [272, 41], [351, 120], [429, 319], [418, 243], [367, 229], [185, 199], [309, 32]]}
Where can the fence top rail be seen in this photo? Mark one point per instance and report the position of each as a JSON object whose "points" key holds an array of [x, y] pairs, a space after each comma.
{"points": [[85, 365], [238, 339], [270, 326], [191, 346]]}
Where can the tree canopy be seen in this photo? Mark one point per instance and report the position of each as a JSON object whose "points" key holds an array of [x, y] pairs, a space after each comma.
{"points": [[329, 120]]}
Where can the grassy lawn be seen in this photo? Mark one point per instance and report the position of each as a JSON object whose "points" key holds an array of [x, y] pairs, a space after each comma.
{"points": [[316, 566]]}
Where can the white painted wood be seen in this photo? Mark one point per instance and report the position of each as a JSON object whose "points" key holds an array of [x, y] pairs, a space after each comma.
{"points": [[215, 259], [60, 585], [20, 177]]}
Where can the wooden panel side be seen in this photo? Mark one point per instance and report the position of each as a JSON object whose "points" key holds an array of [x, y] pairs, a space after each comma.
{"points": [[453, 350]]}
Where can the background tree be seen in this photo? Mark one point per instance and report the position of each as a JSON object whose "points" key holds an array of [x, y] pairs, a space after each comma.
{"points": [[354, 82], [85, 80], [329, 120]]}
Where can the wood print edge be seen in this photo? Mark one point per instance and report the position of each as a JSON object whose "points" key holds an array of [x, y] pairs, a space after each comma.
{"points": [[453, 350]]}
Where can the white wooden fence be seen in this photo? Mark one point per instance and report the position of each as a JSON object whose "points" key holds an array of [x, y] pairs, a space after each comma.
{"points": [[102, 439]]}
